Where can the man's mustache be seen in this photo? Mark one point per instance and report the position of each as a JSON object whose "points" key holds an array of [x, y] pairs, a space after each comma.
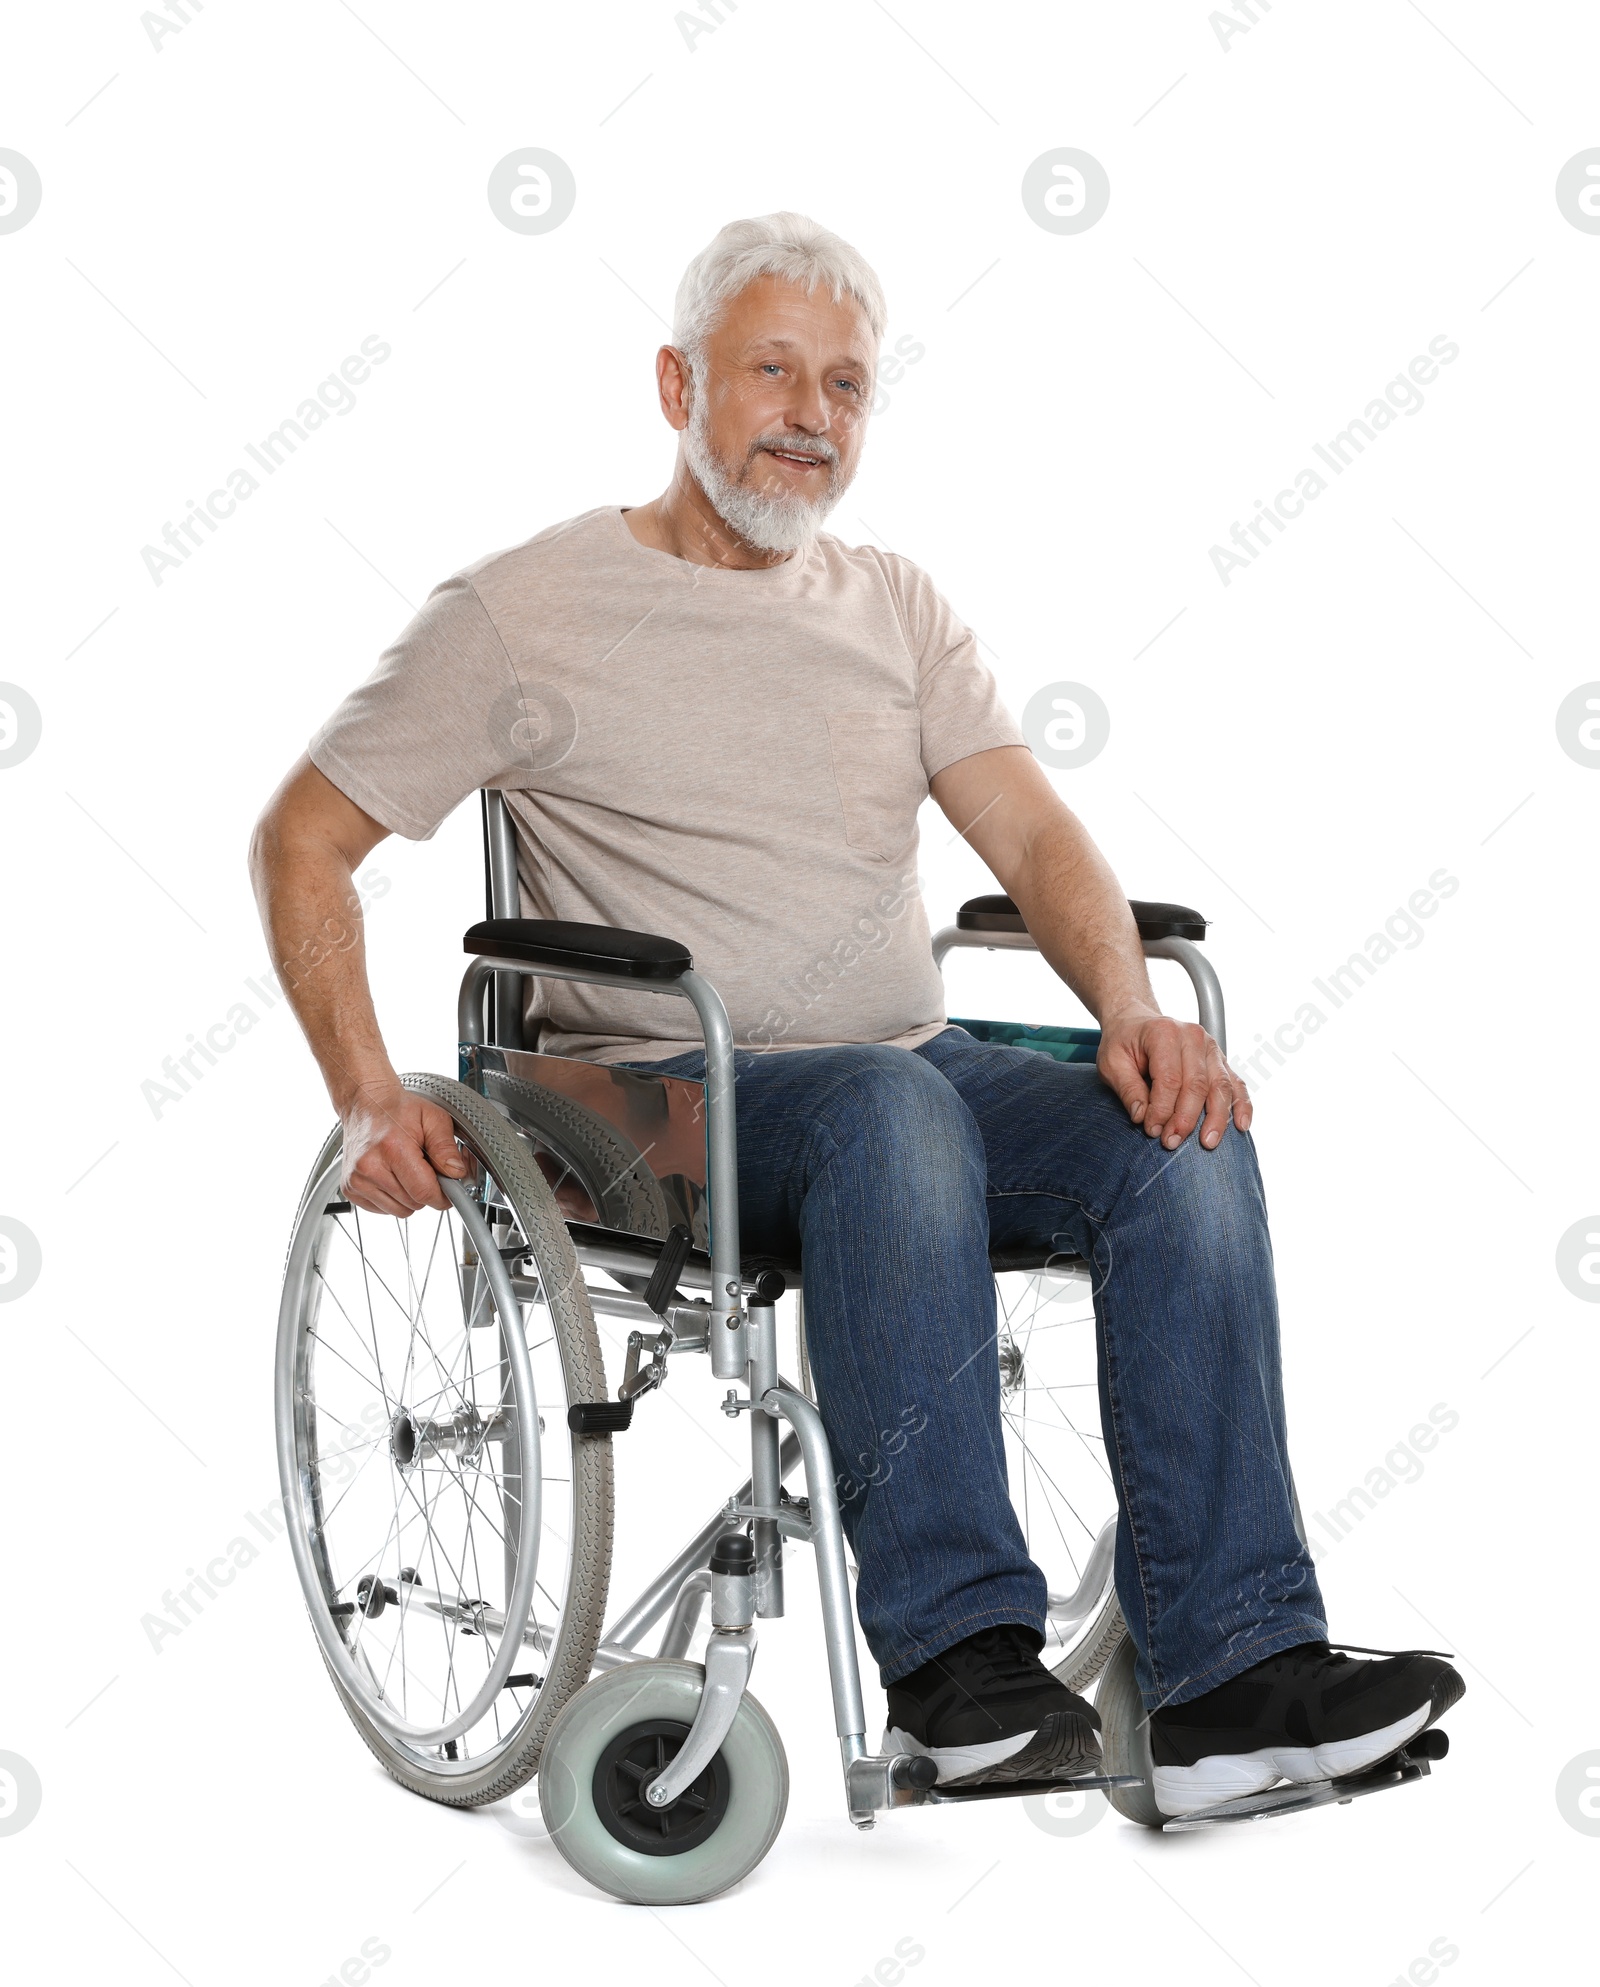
{"points": [[817, 448]]}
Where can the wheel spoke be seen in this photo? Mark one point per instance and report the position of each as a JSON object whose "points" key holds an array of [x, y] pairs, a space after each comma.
{"points": [[410, 1331]]}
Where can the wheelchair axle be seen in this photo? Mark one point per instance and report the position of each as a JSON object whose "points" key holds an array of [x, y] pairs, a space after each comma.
{"points": [[413, 1439]]}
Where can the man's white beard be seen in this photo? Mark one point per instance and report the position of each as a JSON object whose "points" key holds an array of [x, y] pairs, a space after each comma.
{"points": [[782, 521]]}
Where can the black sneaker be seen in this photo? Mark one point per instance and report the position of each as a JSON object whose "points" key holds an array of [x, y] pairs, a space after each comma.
{"points": [[1311, 1713], [989, 1710]]}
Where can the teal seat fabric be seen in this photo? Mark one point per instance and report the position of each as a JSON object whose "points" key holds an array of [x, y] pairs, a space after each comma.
{"points": [[1064, 1044]]}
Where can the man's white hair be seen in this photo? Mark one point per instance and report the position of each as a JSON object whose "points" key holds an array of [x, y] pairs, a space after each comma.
{"points": [[788, 245]]}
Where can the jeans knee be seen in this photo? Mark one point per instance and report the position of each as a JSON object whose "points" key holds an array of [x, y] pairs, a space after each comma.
{"points": [[1194, 1183], [897, 1107]]}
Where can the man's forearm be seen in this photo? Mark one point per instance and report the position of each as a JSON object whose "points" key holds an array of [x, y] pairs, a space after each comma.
{"points": [[1078, 916], [312, 917]]}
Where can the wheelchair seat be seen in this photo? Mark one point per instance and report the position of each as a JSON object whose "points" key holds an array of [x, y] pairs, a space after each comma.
{"points": [[593, 1127], [773, 1274]]}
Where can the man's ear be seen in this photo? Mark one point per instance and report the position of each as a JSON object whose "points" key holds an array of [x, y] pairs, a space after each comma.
{"points": [[675, 384]]}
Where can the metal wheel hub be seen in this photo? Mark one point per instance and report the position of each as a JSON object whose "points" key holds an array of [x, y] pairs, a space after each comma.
{"points": [[628, 1765], [1011, 1369], [416, 1438]]}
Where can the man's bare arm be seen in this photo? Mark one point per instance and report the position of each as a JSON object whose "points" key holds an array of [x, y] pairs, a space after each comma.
{"points": [[1165, 1071], [306, 847]]}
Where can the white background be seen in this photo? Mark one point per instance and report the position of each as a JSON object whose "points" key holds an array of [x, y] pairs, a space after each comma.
{"points": [[1294, 219]]}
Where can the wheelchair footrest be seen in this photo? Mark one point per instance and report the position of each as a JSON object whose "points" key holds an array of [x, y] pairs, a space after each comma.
{"points": [[599, 1417], [1088, 1783], [1400, 1769]]}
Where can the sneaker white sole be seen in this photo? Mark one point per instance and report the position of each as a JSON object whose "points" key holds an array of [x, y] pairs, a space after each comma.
{"points": [[956, 1762], [1232, 1776]]}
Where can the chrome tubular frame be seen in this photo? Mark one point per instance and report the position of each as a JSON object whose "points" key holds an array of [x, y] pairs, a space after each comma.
{"points": [[722, 1155], [505, 901], [1202, 975], [765, 1481], [833, 1583], [1203, 978]]}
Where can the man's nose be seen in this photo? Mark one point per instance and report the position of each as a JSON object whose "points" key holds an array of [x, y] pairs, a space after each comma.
{"points": [[808, 409]]}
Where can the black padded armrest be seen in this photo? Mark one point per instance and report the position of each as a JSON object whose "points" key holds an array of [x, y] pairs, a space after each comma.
{"points": [[585, 948], [1153, 920]]}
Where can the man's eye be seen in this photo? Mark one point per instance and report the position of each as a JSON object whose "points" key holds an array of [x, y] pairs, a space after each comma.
{"points": [[771, 366], [852, 386]]}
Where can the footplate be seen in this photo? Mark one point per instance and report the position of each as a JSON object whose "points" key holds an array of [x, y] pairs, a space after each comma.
{"points": [[1088, 1783], [904, 1780], [1400, 1769]]}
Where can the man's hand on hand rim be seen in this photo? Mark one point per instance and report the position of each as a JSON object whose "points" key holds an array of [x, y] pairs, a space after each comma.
{"points": [[395, 1144], [1168, 1073]]}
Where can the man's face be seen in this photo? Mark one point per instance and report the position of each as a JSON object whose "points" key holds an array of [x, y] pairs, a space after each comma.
{"points": [[778, 410]]}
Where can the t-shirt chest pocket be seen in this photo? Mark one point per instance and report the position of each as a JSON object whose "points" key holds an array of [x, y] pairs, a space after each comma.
{"points": [[877, 768]]}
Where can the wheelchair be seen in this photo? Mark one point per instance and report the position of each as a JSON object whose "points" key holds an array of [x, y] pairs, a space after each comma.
{"points": [[445, 1427]]}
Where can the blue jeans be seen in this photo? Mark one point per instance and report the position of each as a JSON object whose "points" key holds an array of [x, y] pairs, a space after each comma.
{"points": [[893, 1172]]}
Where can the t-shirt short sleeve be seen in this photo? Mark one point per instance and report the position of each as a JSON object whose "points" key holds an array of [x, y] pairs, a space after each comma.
{"points": [[958, 697], [429, 724]]}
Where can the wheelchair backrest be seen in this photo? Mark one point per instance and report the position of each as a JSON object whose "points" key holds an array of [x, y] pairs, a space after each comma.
{"points": [[622, 1148]]}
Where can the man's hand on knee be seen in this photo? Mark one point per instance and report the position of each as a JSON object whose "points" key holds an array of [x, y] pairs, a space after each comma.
{"points": [[394, 1145], [1168, 1073]]}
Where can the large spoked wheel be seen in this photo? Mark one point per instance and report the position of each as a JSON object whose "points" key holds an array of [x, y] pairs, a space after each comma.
{"points": [[611, 1741], [1125, 1737], [452, 1536], [582, 1150], [1056, 1464]]}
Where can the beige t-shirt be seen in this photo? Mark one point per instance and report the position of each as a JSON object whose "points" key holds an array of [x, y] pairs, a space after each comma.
{"points": [[730, 759]]}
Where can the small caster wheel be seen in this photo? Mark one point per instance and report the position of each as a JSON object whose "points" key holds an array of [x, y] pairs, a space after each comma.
{"points": [[1125, 1739], [605, 1747]]}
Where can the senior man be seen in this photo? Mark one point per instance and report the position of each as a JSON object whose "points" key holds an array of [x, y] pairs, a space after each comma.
{"points": [[713, 720]]}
